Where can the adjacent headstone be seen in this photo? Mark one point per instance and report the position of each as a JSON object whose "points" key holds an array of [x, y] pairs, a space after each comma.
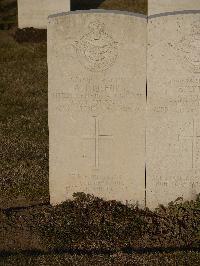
{"points": [[173, 127], [162, 6], [34, 13], [97, 98]]}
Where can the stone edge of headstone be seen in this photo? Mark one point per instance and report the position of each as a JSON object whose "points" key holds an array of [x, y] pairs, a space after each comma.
{"points": [[172, 13], [98, 11]]}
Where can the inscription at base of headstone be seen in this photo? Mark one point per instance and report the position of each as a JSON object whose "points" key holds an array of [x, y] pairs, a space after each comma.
{"points": [[97, 98]]}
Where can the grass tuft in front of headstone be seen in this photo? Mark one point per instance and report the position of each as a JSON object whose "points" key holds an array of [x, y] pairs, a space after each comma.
{"points": [[90, 223]]}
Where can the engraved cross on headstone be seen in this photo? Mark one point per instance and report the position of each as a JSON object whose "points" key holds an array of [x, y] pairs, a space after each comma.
{"points": [[194, 137], [97, 137]]}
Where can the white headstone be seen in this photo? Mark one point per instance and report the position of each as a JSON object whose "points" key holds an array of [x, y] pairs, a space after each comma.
{"points": [[173, 127], [162, 6], [34, 13], [97, 97]]}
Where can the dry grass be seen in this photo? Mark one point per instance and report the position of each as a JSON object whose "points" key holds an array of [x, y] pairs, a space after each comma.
{"points": [[23, 123]]}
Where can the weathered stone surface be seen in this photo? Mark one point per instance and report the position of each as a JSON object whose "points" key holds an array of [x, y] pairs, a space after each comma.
{"points": [[97, 84], [173, 127], [162, 6], [34, 13]]}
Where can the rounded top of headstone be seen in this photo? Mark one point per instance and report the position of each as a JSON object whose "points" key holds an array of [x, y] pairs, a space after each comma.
{"points": [[97, 11], [157, 8]]}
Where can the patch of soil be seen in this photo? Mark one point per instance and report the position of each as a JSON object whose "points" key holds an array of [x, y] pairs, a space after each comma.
{"points": [[30, 35]]}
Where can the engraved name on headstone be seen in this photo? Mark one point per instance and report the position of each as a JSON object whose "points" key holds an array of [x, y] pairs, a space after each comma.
{"points": [[97, 97]]}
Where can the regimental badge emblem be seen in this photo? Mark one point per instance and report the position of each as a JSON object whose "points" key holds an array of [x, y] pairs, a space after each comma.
{"points": [[96, 50], [188, 48]]}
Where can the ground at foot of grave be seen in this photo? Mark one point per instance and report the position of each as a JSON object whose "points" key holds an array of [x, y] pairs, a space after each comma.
{"points": [[90, 225], [149, 259]]}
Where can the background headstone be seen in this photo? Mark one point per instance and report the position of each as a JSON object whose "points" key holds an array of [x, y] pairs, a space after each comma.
{"points": [[97, 97], [162, 6], [173, 127], [34, 13]]}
